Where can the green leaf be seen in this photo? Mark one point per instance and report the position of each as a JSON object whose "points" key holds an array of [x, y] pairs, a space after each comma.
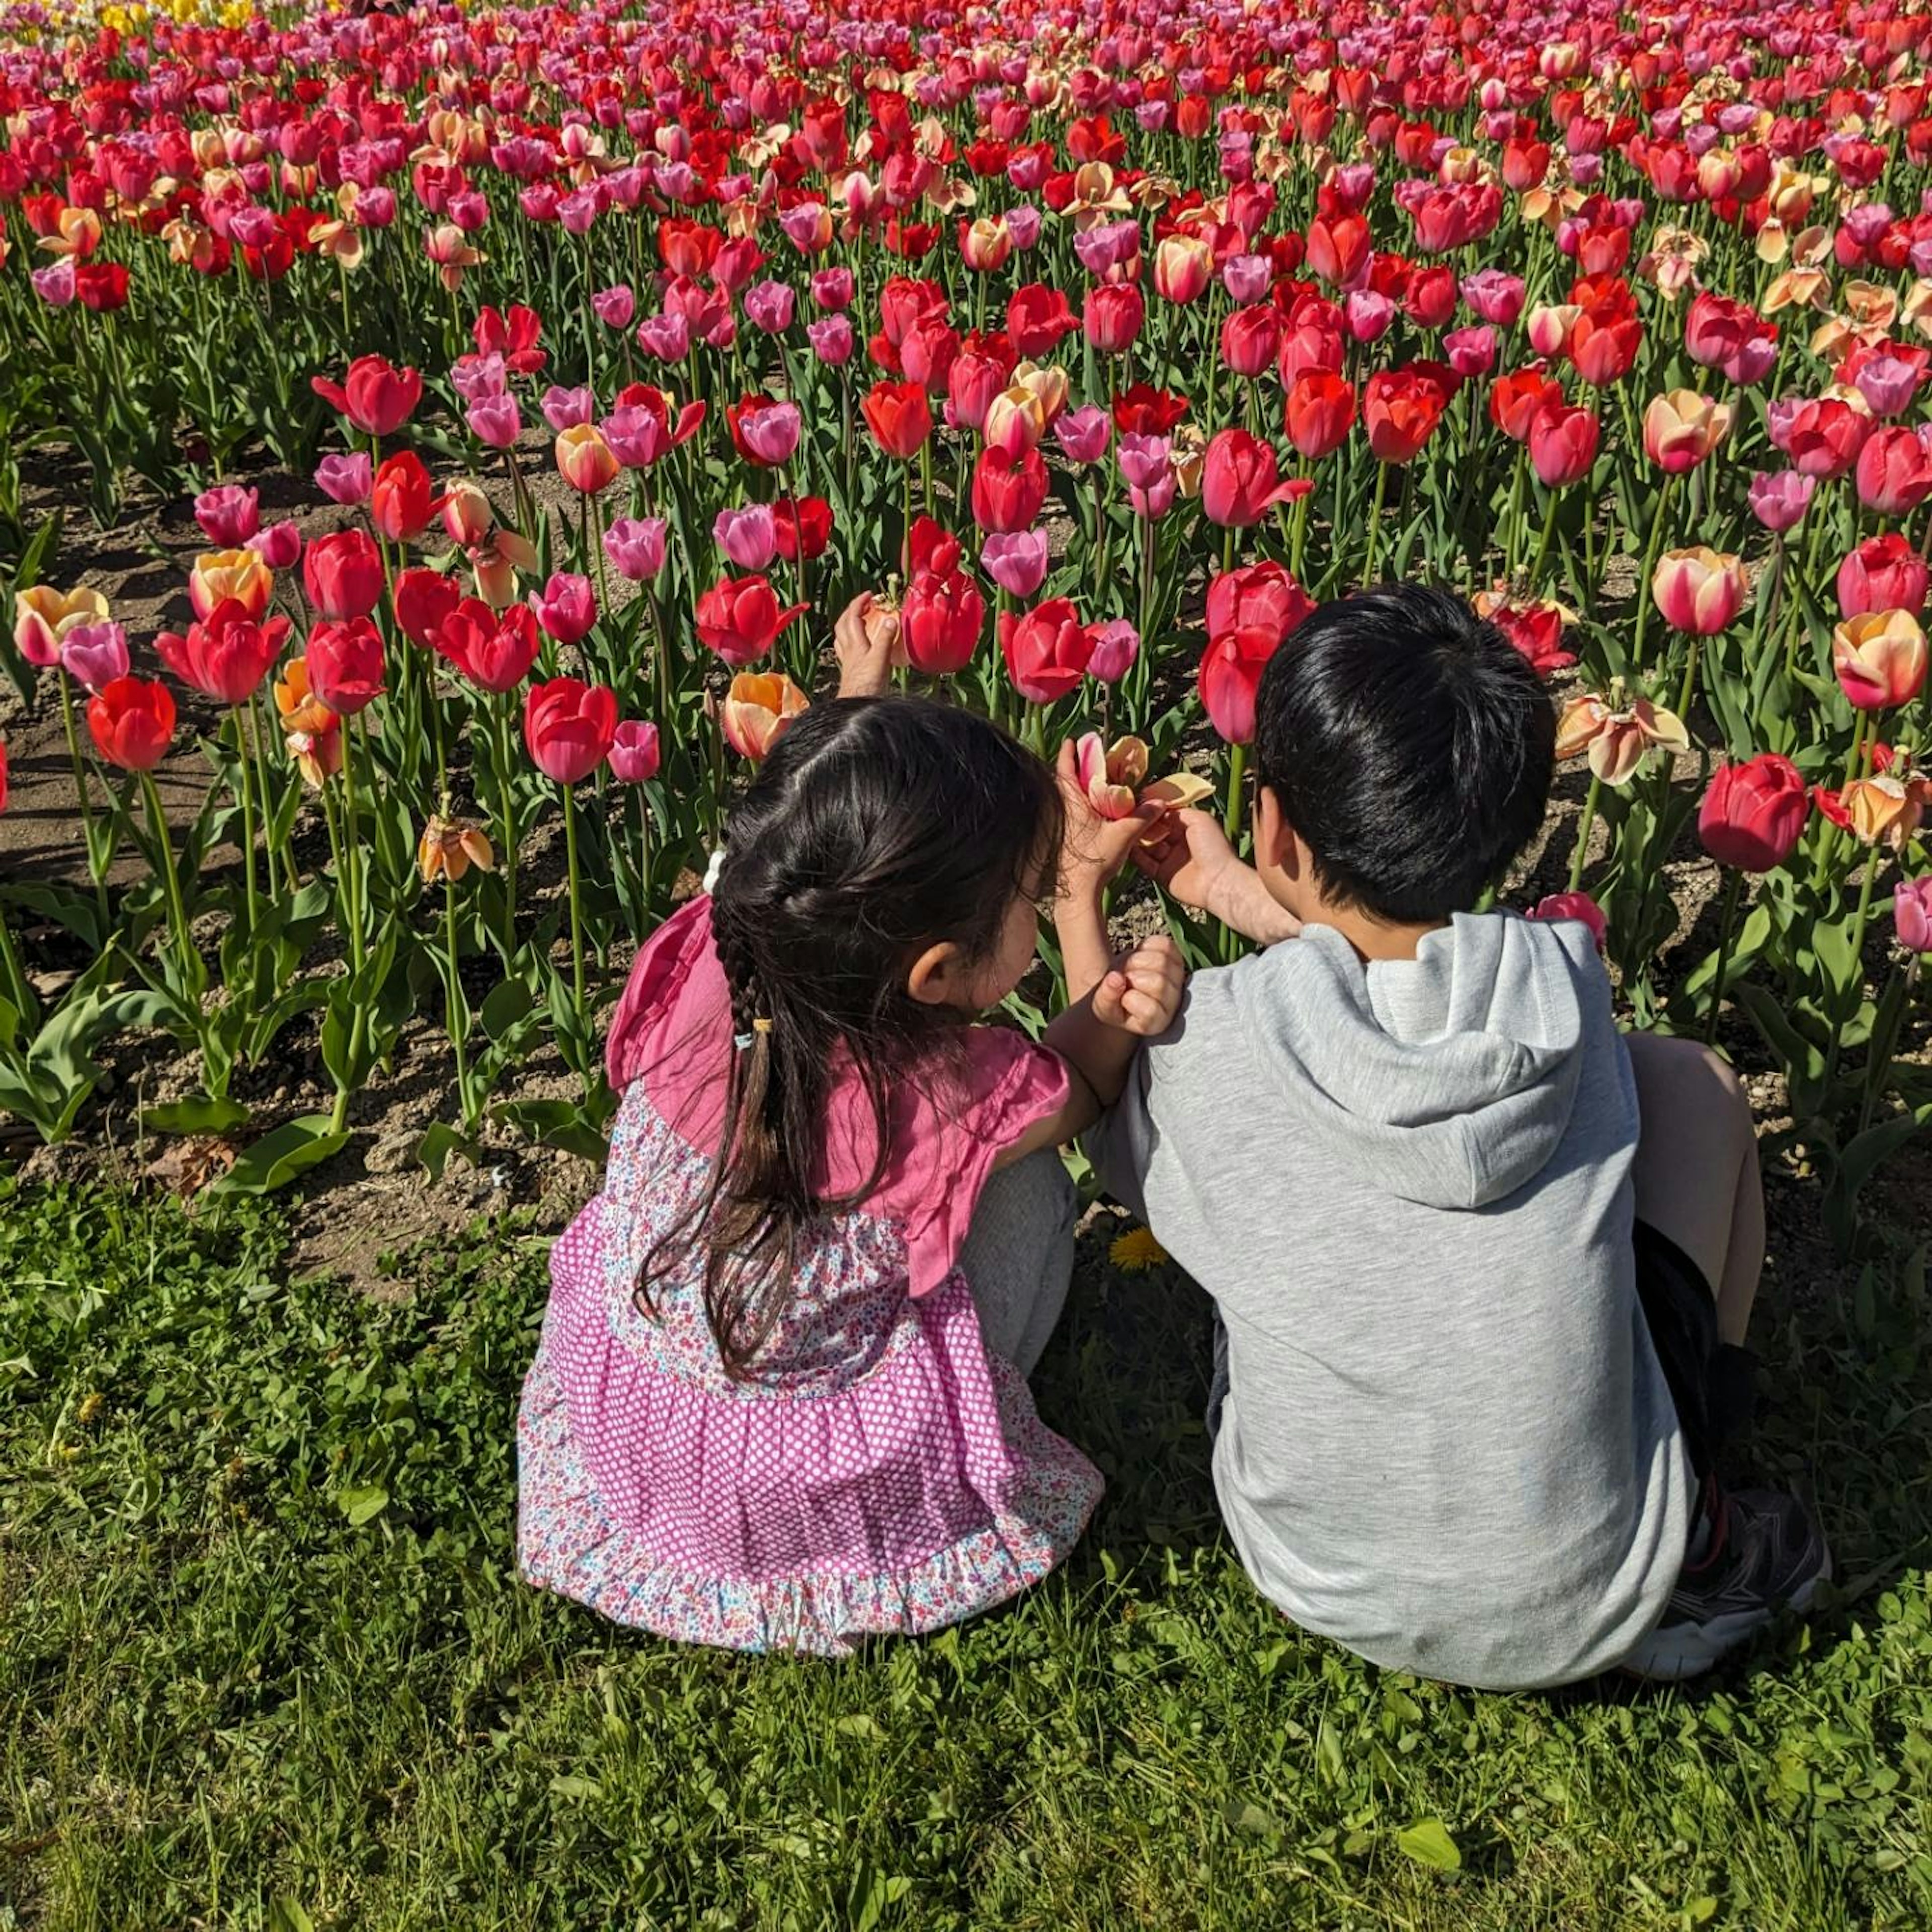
{"points": [[286, 1914], [278, 1157], [439, 1143], [1427, 1841], [197, 1115], [362, 1504]]}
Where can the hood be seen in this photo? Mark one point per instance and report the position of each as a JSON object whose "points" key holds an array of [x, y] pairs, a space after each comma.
{"points": [[1447, 1079]]}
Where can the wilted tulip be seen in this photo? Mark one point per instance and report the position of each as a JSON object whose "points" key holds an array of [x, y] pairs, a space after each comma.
{"points": [[1698, 591], [1880, 659], [758, 710], [1754, 814], [1617, 739], [1681, 428], [449, 847]]}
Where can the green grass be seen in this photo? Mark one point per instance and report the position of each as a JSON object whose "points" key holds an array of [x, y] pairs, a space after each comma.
{"points": [[264, 1660]]}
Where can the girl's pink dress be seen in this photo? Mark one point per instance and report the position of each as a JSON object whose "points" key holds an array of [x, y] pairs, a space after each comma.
{"points": [[880, 1470]]}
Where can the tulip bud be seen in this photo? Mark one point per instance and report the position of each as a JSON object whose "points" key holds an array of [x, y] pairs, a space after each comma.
{"points": [[1698, 591]]}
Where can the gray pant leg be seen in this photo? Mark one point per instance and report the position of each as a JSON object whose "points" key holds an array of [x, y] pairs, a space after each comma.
{"points": [[1018, 1255]]}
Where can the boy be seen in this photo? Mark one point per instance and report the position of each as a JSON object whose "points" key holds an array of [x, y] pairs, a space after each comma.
{"points": [[1476, 1322]]}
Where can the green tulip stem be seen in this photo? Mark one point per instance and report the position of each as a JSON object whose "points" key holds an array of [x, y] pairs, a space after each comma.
{"points": [[1727, 929], [1550, 500], [1584, 824], [164, 864], [244, 792], [1688, 687], [1645, 600], [81, 790], [1375, 524], [576, 902], [507, 812], [1859, 920]]}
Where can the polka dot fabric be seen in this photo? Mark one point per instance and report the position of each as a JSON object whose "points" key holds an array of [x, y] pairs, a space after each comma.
{"points": [[878, 1471]]}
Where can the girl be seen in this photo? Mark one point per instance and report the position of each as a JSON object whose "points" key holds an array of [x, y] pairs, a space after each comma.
{"points": [[780, 1400]]}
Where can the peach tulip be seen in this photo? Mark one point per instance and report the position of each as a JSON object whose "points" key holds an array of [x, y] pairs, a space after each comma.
{"points": [[1681, 428], [584, 459], [218, 574], [1880, 659], [42, 616], [1111, 775], [1698, 591], [758, 710], [1182, 266]]}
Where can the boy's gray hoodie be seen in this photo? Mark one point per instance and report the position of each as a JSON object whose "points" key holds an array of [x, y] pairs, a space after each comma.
{"points": [[1447, 1443]]}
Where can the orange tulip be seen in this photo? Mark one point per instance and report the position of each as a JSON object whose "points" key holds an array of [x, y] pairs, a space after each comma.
{"points": [[584, 459], [757, 711], [1880, 659], [217, 574], [301, 711]]}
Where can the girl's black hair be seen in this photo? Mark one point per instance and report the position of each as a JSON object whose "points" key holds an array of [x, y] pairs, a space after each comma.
{"points": [[878, 827]]}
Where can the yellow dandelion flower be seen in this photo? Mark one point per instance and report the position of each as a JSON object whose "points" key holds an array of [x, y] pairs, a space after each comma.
{"points": [[1136, 1251]]}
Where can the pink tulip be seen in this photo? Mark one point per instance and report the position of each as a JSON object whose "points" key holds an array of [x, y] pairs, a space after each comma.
{"points": [[1246, 277], [1780, 498], [614, 306], [1578, 906], [96, 654], [748, 536], [568, 409], [1116, 646], [496, 422], [666, 336], [346, 480], [831, 340], [1911, 913], [635, 546], [566, 608], [1017, 561], [1146, 467], [769, 306], [1367, 314], [832, 288], [634, 753], [1083, 434], [228, 515], [1494, 297], [772, 434]]}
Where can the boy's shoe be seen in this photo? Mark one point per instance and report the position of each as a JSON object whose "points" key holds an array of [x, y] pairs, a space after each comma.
{"points": [[1765, 1555]]}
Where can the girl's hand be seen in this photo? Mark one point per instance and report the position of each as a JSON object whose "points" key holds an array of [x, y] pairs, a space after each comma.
{"points": [[864, 652], [1142, 993], [1094, 848]]}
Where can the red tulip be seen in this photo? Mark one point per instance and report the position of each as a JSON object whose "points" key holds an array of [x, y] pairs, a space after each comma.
{"points": [[1250, 338], [928, 352], [226, 655], [899, 417], [1230, 678], [421, 600], [401, 501], [493, 650], [345, 665], [1047, 650], [1008, 491], [931, 546], [1893, 472], [1338, 251], [1399, 411], [1563, 445], [739, 619], [1257, 596], [1111, 317], [802, 526], [1320, 412], [344, 574], [131, 722], [1239, 482], [940, 620], [1516, 399], [1037, 316], [1754, 814], [1143, 410], [377, 397], [569, 726], [1883, 573]]}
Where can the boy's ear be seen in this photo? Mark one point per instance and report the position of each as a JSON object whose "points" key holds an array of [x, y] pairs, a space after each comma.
{"points": [[933, 979], [1274, 837]]}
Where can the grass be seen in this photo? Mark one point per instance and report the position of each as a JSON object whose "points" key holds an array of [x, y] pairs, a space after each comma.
{"points": [[264, 1661]]}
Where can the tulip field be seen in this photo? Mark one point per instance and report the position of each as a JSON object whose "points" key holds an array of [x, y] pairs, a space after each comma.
{"points": [[616, 355], [538, 386]]}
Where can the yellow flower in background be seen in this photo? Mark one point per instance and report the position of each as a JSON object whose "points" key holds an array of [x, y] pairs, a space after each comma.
{"points": [[1136, 1251]]}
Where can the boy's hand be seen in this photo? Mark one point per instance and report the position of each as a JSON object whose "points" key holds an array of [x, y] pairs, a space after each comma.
{"points": [[1189, 857], [864, 651], [1141, 994], [1093, 848]]}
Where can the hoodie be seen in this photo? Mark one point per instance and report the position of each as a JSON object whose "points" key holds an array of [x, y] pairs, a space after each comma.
{"points": [[1447, 1441]]}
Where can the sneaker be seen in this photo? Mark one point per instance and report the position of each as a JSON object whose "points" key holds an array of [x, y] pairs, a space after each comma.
{"points": [[1765, 1554]]}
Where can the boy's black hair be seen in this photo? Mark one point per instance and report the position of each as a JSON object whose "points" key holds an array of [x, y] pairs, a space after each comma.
{"points": [[1411, 745]]}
